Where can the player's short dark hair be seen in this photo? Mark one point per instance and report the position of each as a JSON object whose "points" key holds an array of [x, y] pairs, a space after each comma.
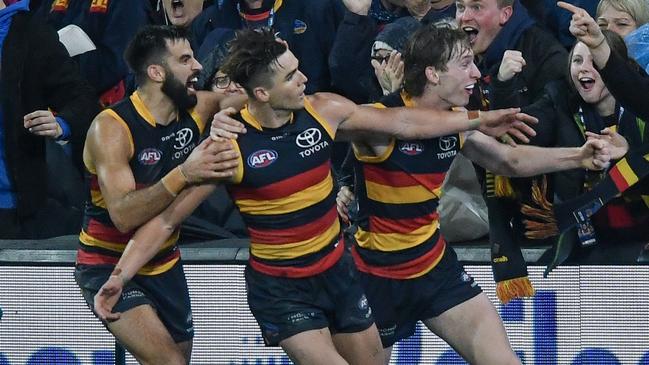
{"points": [[252, 56], [149, 47]]}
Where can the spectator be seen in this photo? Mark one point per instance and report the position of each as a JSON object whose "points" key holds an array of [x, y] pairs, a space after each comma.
{"points": [[363, 20], [622, 16], [388, 69], [568, 112], [110, 25], [309, 28], [627, 85], [501, 29], [182, 13], [211, 55], [195, 15], [42, 97]]}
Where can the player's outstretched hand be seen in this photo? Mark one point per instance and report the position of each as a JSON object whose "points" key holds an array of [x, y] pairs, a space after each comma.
{"points": [[507, 123]]}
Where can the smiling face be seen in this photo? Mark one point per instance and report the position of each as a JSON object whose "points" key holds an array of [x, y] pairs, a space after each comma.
{"points": [[482, 20], [585, 77], [181, 74], [182, 12], [455, 85]]}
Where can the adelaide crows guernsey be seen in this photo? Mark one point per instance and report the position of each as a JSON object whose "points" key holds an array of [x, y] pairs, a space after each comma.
{"points": [[398, 193], [285, 193], [157, 149]]}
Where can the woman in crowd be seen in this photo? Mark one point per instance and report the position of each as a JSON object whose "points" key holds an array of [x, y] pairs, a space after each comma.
{"points": [[622, 16], [568, 113]]}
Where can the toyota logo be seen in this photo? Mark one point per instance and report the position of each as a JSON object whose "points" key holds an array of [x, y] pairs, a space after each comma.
{"points": [[183, 137], [308, 138], [446, 143]]}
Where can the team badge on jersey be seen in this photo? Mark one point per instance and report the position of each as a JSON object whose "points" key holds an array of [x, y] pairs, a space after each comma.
{"points": [[262, 158], [411, 148], [149, 156]]}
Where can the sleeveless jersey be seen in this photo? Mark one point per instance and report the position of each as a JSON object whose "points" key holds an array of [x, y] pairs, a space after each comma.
{"points": [[398, 233], [285, 193], [157, 149]]}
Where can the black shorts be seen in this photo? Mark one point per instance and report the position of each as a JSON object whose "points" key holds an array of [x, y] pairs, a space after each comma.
{"points": [[399, 304], [166, 292], [284, 307]]}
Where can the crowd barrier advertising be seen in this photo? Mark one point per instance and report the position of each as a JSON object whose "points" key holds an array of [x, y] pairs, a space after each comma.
{"points": [[580, 315]]}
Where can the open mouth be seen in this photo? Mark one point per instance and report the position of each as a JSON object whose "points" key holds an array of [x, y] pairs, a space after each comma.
{"points": [[177, 4], [177, 8], [587, 83], [191, 83], [469, 89], [472, 32]]}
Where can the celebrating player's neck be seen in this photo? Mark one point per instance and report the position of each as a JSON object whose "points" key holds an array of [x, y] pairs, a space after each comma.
{"points": [[431, 100], [161, 107], [267, 116]]}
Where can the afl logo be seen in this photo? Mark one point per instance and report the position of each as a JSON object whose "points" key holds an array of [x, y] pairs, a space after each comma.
{"points": [[308, 138], [262, 158], [447, 143], [149, 156], [411, 148]]}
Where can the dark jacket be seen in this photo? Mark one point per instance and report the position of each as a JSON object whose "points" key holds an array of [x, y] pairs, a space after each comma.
{"points": [[37, 74], [309, 28], [352, 74], [546, 59], [562, 115], [630, 87]]}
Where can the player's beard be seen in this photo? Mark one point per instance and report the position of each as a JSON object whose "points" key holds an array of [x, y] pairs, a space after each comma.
{"points": [[177, 92]]}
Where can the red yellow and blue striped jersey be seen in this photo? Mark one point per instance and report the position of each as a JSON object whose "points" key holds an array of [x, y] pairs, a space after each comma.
{"points": [[285, 193], [157, 149], [398, 192]]}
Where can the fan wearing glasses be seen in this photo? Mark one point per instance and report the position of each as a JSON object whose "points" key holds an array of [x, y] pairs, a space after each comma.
{"points": [[222, 84]]}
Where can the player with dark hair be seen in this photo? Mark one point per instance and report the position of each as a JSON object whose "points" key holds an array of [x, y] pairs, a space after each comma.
{"points": [[139, 155]]}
